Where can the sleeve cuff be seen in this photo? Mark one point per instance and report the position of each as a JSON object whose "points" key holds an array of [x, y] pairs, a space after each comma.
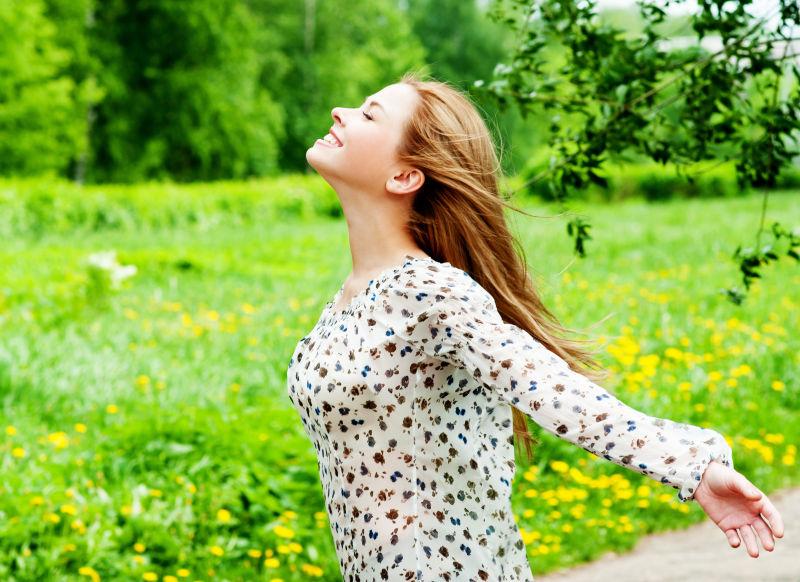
{"points": [[720, 452]]}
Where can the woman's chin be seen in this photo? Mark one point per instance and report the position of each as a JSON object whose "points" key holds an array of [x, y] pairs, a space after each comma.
{"points": [[318, 161], [313, 157]]}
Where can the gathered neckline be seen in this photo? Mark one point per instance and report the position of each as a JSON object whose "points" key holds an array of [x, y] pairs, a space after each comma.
{"points": [[329, 315]]}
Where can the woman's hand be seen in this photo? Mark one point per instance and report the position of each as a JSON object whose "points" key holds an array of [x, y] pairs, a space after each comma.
{"points": [[736, 506]]}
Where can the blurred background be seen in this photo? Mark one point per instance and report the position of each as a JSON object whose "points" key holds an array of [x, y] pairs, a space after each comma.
{"points": [[165, 246]]}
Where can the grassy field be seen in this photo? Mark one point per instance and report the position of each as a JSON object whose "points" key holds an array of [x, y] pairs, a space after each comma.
{"points": [[147, 435]]}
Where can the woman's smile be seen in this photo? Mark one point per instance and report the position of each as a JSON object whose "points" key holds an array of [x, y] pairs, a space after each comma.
{"points": [[330, 140]]}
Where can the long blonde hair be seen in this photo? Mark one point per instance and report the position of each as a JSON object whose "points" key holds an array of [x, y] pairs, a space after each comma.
{"points": [[457, 217]]}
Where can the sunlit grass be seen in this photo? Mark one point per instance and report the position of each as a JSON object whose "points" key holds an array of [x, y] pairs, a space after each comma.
{"points": [[149, 437]]}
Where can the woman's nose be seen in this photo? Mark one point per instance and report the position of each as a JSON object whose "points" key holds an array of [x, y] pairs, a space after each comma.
{"points": [[336, 113]]}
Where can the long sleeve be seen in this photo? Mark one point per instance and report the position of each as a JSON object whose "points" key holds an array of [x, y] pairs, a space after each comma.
{"points": [[444, 312]]}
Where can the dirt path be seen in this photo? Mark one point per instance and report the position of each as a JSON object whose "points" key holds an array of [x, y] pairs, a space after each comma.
{"points": [[700, 553]]}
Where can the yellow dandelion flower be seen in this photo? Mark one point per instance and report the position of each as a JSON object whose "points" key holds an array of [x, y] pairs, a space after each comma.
{"points": [[778, 386], [169, 578], [283, 531], [11, 431], [80, 427], [183, 572], [139, 547], [69, 509], [90, 572], [312, 570], [254, 553], [150, 577], [18, 452], [112, 409], [543, 549], [224, 515], [155, 492], [272, 562], [52, 517], [295, 547], [217, 551], [36, 501]]}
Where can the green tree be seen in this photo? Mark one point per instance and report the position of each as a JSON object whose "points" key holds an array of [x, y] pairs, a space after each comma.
{"points": [[330, 54], [463, 45], [183, 98], [75, 19], [630, 94], [41, 129]]}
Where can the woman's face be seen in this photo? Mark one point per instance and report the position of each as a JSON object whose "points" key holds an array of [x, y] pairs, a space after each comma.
{"points": [[369, 136]]}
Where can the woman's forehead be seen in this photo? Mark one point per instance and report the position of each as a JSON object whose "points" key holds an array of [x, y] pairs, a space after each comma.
{"points": [[395, 98]]}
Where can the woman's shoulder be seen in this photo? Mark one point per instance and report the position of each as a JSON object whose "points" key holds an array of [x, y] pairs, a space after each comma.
{"points": [[430, 284]]}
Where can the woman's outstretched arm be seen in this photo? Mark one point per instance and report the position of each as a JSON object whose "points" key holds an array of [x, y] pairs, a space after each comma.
{"points": [[454, 319]]}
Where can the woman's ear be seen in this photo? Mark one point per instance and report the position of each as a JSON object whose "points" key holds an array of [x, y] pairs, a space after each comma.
{"points": [[406, 181]]}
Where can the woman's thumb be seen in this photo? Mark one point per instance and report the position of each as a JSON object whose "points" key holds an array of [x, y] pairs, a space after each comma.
{"points": [[748, 489]]}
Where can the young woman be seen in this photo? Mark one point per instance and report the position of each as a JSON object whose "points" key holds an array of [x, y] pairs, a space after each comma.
{"points": [[416, 377]]}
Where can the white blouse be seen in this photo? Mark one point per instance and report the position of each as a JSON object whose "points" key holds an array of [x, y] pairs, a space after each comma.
{"points": [[406, 395]]}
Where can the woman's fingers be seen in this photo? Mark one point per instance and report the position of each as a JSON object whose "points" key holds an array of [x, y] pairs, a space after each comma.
{"points": [[749, 538], [773, 517], [761, 528], [733, 538]]}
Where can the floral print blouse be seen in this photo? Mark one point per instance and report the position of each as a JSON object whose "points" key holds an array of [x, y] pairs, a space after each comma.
{"points": [[406, 395]]}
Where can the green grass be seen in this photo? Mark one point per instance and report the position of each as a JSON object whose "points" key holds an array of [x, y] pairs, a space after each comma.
{"points": [[156, 414]]}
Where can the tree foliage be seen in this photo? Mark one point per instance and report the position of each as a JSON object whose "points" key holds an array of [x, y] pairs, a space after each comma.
{"points": [[331, 55], [616, 95], [183, 98], [40, 102]]}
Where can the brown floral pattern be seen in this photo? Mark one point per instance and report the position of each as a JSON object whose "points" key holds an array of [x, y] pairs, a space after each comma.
{"points": [[406, 396]]}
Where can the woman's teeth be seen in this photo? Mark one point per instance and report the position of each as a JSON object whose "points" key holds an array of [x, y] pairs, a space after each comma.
{"points": [[331, 140]]}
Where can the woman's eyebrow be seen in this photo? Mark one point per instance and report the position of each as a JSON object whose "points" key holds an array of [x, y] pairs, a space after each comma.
{"points": [[373, 102]]}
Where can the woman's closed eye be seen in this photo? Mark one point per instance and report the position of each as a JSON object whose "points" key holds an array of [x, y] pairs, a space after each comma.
{"points": [[367, 115]]}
